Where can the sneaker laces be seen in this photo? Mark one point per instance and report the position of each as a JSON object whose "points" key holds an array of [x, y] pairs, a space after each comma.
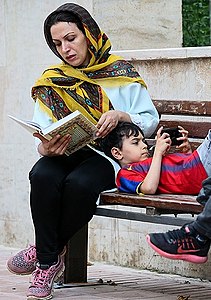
{"points": [[178, 235], [30, 254], [40, 276], [185, 234]]}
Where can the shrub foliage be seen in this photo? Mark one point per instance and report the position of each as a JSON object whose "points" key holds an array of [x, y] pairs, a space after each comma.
{"points": [[196, 23]]}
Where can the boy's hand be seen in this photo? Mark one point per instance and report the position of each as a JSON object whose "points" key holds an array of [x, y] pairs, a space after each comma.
{"points": [[163, 142], [185, 146]]}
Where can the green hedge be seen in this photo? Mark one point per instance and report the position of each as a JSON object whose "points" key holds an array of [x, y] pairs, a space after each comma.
{"points": [[196, 23]]}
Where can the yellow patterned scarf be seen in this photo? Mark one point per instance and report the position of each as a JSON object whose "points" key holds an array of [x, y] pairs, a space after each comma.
{"points": [[63, 89]]}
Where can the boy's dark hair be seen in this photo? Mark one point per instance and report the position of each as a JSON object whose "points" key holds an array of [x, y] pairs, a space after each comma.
{"points": [[115, 137]]}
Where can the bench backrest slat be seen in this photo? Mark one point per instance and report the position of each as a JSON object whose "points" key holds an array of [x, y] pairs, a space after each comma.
{"points": [[195, 116], [197, 129], [183, 107]]}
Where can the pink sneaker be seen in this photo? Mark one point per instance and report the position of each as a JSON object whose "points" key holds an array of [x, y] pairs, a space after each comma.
{"points": [[42, 281], [24, 262]]}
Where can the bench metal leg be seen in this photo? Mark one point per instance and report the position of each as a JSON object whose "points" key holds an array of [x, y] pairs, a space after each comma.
{"points": [[76, 257]]}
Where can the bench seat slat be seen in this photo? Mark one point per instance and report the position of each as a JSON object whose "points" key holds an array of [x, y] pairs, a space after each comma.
{"points": [[179, 203]]}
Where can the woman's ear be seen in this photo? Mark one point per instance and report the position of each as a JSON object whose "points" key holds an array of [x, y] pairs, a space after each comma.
{"points": [[117, 153]]}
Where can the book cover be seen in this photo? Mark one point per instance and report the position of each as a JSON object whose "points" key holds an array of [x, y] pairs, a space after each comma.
{"points": [[76, 124]]}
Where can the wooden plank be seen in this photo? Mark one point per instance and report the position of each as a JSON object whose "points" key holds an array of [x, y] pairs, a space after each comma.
{"points": [[196, 129], [179, 203], [183, 107]]}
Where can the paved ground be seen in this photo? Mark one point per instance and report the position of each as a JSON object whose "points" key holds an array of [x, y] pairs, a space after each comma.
{"points": [[116, 283]]}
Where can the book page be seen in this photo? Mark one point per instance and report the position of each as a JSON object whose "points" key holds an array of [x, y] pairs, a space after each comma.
{"points": [[28, 125]]}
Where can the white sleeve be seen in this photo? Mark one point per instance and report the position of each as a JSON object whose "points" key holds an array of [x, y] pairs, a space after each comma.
{"points": [[41, 118], [135, 100]]}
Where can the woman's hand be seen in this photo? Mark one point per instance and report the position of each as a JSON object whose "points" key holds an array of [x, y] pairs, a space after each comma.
{"points": [[185, 146], [55, 147], [109, 121]]}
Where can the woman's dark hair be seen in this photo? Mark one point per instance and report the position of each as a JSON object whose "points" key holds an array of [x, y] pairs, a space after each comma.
{"points": [[63, 16], [116, 136], [70, 12], [56, 17]]}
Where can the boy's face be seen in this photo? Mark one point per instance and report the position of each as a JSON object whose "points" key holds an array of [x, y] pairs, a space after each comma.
{"points": [[133, 149]]}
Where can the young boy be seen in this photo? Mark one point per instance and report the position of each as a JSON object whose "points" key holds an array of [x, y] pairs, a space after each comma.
{"points": [[177, 173], [166, 173]]}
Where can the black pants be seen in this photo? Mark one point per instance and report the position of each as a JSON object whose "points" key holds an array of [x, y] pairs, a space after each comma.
{"points": [[203, 221], [64, 191]]}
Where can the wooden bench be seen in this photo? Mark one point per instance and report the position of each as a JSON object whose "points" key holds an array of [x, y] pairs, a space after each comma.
{"points": [[195, 116]]}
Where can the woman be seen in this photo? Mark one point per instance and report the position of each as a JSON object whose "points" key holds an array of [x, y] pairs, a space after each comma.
{"points": [[64, 189]]}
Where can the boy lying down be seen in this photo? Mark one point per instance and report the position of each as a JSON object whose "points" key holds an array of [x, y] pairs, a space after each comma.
{"points": [[173, 173]]}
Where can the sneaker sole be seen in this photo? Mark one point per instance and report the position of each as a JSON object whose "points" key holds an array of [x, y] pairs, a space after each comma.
{"points": [[16, 273], [35, 298], [186, 257]]}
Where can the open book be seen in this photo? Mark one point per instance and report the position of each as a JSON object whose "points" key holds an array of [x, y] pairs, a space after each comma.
{"points": [[76, 124]]}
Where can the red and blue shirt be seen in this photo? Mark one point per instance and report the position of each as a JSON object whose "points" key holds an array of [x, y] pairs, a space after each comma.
{"points": [[181, 173]]}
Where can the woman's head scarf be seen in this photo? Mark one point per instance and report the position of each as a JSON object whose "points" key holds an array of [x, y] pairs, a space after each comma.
{"points": [[63, 89]]}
